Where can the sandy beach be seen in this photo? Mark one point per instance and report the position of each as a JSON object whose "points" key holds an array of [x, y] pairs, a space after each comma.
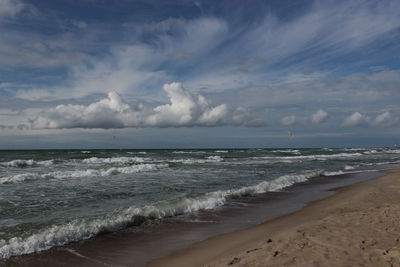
{"points": [[199, 133], [357, 226]]}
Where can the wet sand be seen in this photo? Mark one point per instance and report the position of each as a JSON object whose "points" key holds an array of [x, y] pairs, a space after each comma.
{"points": [[137, 246], [357, 226]]}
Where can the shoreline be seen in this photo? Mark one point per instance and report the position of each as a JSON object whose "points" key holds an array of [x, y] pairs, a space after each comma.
{"points": [[135, 246], [356, 225]]}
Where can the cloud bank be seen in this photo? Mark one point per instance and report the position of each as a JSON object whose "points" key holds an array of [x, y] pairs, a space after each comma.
{"points": [[184, 109]]}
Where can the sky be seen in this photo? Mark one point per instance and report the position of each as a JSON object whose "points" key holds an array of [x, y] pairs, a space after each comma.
{"points": [[199, 74]]}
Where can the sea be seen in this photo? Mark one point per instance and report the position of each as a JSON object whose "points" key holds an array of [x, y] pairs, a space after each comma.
{"points": [[50, 198]]}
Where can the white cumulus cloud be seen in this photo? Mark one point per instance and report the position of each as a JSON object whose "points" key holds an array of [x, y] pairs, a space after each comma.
{"points": [[356, 119], [288, 120], [184, 109], [319, 116], [385, 119]]}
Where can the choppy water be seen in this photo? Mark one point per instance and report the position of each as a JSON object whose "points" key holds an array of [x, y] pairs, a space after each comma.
{"points": [[53, 197]]}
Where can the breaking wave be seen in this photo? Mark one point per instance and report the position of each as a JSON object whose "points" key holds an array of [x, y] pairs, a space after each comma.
{"points": [[312, 157], [115, 160], [19, 163], [291, 151], [209, 159], [188, 152], [334, 173], [76, 230], [82, 173]]}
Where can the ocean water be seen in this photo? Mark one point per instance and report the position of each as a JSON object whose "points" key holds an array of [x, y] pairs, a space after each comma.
{"points": [[53, 197]]}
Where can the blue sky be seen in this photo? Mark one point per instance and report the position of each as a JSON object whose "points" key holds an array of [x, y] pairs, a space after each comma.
{"points": [[166, 74]]}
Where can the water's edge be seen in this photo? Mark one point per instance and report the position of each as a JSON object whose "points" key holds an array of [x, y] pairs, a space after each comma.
{"points": [[135, 246]]}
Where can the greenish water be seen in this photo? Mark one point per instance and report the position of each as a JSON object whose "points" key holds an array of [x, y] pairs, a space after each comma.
{"points": [[53, 197]]}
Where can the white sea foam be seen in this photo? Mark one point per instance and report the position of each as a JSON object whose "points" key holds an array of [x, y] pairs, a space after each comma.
{"points": [[291, 151], [221, 151], [392, 151], [19, 178], [380, 163], [333, 173], [105, 172], [209, 159], [115, 160], [83, 229], [383, 151], [372, 151], [313, 157], [18, 163], [348, 167], [188, 152], [82, 173], [347, 170], [215, 158]]}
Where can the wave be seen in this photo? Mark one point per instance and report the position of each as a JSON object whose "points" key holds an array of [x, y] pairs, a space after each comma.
{"points": [[348, 167], [18, 178], [372, 151], [312, 157], [80, 152], [115, 160], [334, 173], [375, 150], [19, 163], [291, 151], [82, 173], [382, 151], [391, 151], [380, 163], [355, 149], [194, 161], [77, 230], [106, 172], [221, 151], [188, 152]]}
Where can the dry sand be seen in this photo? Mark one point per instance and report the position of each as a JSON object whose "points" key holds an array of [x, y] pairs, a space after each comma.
{"points": [[358, 226]]}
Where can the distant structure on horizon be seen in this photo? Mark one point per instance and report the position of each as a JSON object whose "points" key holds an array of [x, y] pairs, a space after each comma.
{"points": [[290, 135]]}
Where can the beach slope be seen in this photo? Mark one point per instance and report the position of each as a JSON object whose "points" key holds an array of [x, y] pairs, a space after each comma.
{"points": [[357, 226]]}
